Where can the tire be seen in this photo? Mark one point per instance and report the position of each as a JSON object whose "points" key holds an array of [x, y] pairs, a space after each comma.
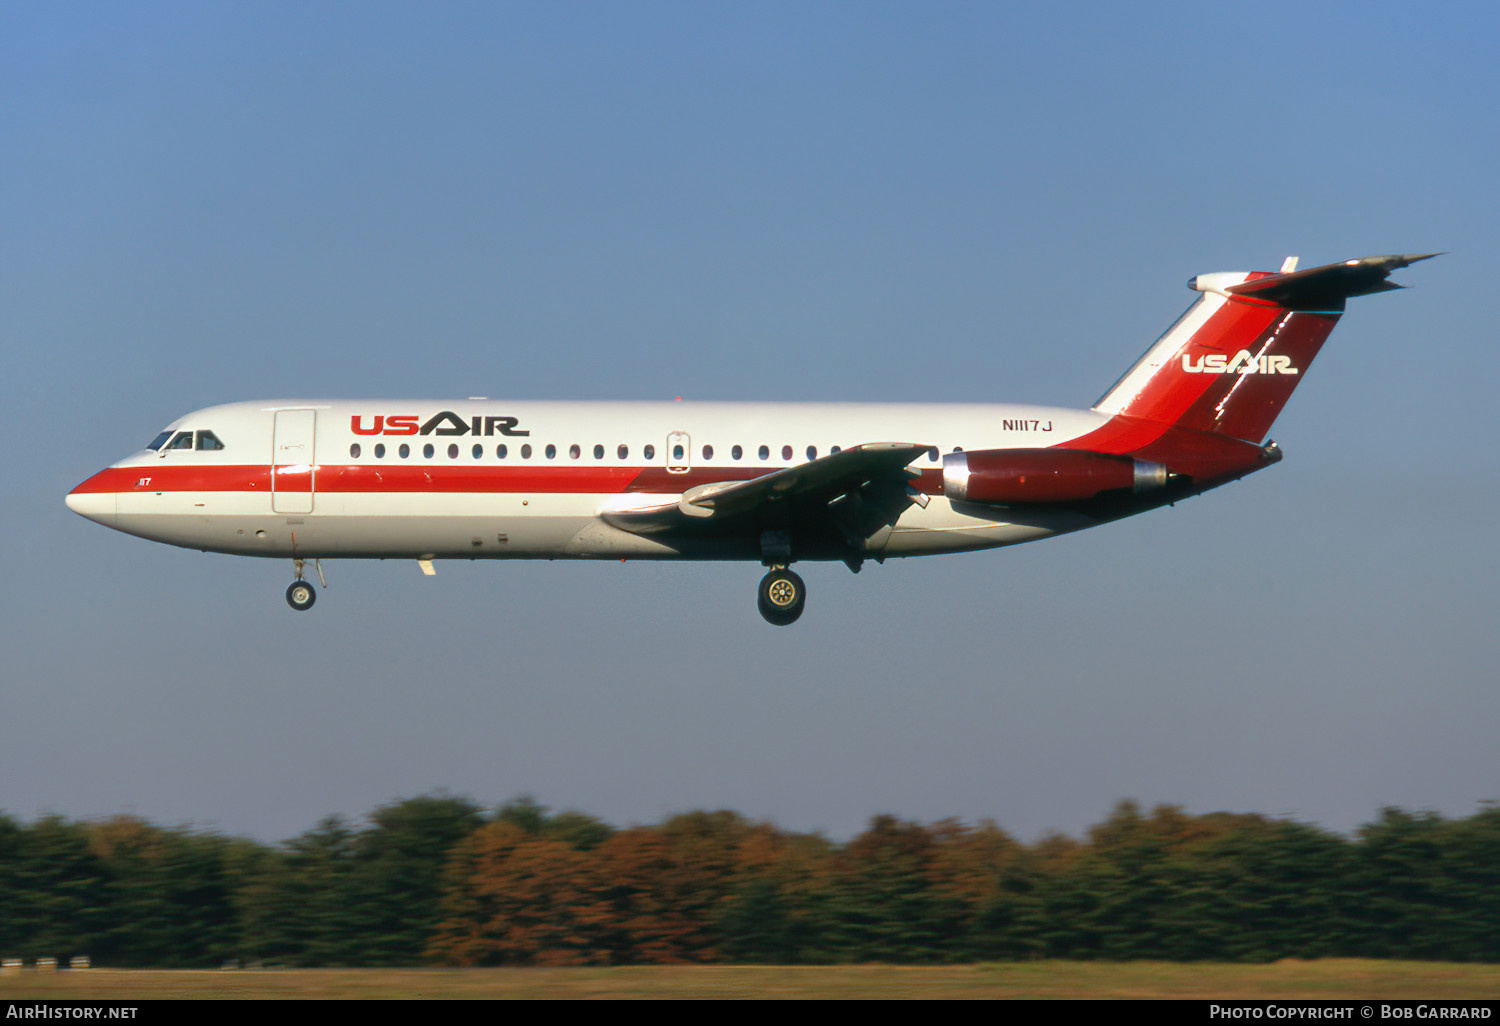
{"points": [[781, 597], [301, 595]]}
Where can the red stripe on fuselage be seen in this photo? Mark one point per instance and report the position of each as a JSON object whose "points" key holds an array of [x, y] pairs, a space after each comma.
{"points": [[1205, 457], [180, 478], [409, 478], [392, 478]]}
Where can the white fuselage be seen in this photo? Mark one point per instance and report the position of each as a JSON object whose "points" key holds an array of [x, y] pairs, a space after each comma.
{"points": [[486, 479]]}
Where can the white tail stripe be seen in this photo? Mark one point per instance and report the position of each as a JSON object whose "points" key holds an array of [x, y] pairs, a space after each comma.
{"points": [[1161, 353]]}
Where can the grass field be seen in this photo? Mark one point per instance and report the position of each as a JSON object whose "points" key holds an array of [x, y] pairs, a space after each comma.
{"points": [[1317, 980]]}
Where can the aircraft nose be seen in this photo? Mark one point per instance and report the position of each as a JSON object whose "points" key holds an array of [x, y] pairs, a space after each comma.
{"points": [[92, 500]]}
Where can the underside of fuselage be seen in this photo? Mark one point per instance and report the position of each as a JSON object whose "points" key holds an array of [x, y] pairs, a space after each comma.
{"points": [[542, 536]]}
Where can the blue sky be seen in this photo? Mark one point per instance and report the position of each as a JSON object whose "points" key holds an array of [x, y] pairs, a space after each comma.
{"points": [[861, 201]]}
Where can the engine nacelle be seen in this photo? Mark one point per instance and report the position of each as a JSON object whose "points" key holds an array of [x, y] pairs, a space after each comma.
{"points": [[1006, 476]]}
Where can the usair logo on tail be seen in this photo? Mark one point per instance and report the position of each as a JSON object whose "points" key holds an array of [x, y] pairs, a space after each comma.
{"points": [[1242, 362]]}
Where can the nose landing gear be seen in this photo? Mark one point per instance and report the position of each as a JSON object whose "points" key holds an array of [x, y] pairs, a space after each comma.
{"points": [[300, 594], [781, 597]]}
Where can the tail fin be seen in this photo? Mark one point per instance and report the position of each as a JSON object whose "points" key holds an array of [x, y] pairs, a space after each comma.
{"points": [[1230, 363]]}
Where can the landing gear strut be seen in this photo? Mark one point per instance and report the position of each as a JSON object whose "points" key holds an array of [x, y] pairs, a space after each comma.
{"points": [[300, 594], [781, 597]]}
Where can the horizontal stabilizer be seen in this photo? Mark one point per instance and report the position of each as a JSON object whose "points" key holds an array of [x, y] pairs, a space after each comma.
{"points": [[1326, 287]]}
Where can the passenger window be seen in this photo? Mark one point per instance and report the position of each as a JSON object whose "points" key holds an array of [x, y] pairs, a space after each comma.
{"points": [[736, 452], [453, 451], [677, 452], [786, 452], [404, 451], [552, 452], [932, 454], [623, 452], [574, 452], [650, 452], [708, 452], [478, 451], [834, 450], [428, 450], [156, 442], [765, 453], [380, 450], [598, 452], [526, 451], [354, 451], [209, 442], [812, 452], [500, 451]]}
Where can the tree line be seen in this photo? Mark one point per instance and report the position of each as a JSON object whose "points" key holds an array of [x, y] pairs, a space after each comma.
{"points": [[437, 880]]}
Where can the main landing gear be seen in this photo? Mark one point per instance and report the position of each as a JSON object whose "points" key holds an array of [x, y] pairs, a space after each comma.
{"points": [[781, 597], [300, 594]]}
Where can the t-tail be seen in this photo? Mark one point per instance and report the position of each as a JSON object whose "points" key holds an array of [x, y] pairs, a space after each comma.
{"points": [[1230, 363], [1194, 411]]}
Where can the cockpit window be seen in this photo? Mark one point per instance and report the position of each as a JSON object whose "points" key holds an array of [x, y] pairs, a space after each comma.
{"points": [[207, 440], [181, 440], [156, 442]]}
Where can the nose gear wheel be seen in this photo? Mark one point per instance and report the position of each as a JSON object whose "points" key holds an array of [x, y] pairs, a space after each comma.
{"points": [[300, 595]]}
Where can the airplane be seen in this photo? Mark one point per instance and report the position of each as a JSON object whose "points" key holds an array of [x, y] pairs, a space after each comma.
{"points": [[775, 483]]}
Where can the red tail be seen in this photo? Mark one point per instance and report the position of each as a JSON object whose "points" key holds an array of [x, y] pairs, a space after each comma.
{"points": [[1230, 363]]}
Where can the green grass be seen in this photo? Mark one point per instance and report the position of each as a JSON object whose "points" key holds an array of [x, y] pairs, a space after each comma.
{"points": [[1317, 980]]}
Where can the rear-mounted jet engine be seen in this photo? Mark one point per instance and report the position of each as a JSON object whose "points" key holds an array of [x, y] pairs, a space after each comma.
{"points": [[1006, 476]]}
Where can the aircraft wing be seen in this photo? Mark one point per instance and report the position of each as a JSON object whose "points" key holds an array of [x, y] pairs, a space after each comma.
{"points": [[858, 490]]}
